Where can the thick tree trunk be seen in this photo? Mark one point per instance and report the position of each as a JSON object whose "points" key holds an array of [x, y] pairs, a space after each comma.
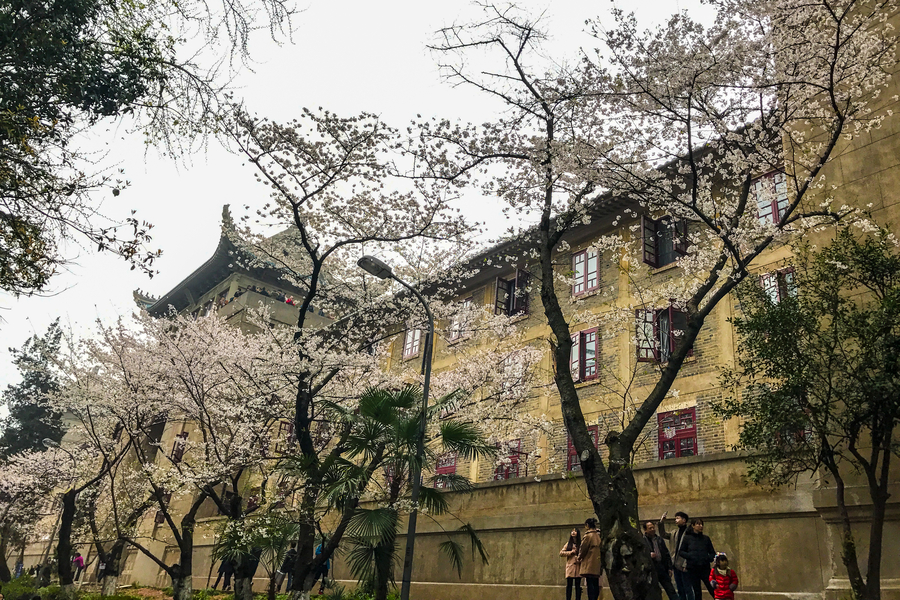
{"points": [[848, 544], [182, 588], [113, 561], [5, 575], [64, 546], [272, 590], [110, 585], [243, 588]]}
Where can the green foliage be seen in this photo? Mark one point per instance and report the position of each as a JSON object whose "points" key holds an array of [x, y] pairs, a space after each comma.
{"points": [[21, 588], [51, 592], [29, 420], [819, 371]]}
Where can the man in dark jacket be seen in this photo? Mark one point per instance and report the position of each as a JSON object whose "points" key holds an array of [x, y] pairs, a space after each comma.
{"points": [[662, 560], [676, 539]]}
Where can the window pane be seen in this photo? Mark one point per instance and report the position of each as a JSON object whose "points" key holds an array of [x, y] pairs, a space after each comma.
{"points": [[591, 282], [665, 342], [578, 267], [646, 338], [590, 354], [666, 242]]}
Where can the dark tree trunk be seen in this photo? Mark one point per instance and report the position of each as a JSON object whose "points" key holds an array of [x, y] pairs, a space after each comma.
{"points": [[64, 546], [5, 575], [113, 561]]}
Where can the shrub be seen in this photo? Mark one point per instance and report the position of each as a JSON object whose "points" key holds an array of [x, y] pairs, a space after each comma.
{"points": [[21, 588]]}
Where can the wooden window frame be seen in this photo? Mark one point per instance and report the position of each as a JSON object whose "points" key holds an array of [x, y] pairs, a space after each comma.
{"points": [[679, 435], [573, 463], [652, 234], [778, 285], [652, 349], [456, 331], [582, 260], [511, 295], [509, 469], [581, 370], [179, 447], [445, 464], [773, 211], [412, 343]]}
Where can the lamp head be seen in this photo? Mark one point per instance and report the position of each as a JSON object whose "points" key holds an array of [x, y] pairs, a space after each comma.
{"points": [[374, 266]]}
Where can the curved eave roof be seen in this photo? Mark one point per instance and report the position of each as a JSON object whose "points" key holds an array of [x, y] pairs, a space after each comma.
{"points": [[211, 273]]}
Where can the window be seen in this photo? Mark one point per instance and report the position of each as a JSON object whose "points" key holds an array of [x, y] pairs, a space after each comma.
{"points": [[664, 240], [446, 465], [512, 374], [584, 355], [770, 193], [160, 517], [511, 296], [658, 332], [573, 463], [678, 433], [460, 320], [411, 343], [779, 285], [585, 264], [179, 447], [509, 467], [284, 437]]}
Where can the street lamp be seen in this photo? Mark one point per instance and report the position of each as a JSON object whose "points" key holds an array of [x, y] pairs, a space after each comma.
{"points": [[379, 269]]}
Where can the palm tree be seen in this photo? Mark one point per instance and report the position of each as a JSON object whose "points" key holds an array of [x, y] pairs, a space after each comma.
{"points": [[372, 535], [265, 537]]}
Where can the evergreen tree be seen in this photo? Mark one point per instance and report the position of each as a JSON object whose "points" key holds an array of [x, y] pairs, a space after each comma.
{"points": [[30, 420]]}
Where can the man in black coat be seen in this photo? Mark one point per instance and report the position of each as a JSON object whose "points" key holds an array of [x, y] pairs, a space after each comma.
{"points": [[662, 560]]}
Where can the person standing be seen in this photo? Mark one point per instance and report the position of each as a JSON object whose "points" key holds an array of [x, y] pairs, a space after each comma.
{"points": [[698, 551], [589, 564], [676, 539], [323, 570], [662, 560], [724, 580], [287, 567], [78, 565], [573, 577]]}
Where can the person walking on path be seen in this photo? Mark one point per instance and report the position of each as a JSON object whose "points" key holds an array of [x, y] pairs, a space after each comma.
{"points": [[589, 565], [723, 580], [676, 539], [226, 570], [287, 567], [662, 560], [573, 576], [698, 551], [323, 570]]}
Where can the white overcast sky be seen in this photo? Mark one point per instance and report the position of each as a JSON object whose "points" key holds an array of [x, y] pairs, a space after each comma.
{"points": [[347, 56]]}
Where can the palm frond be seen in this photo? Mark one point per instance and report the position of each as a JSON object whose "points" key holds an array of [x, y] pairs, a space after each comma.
{"points": [[452, 482], [477, 545], [376, 525], [466, 440], [453, 551], [433, 500]]}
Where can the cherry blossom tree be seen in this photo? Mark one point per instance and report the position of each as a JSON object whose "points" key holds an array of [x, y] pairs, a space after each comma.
{"points": [[27, 484], [675, 125]]}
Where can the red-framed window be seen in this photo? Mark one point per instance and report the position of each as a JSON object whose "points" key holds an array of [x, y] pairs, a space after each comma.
{"points": [[658, 332], [411, 342], [445, 465], [509, 468], [779, 285], [511, 295], [586, 266], [663, 240], [460, 320], [677, 433], [585, 350], [179, 446], [573, 463], [770, 194], [284, 436]]}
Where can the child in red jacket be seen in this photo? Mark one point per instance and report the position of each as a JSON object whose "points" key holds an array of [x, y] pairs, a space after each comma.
{"points": [[723, 580]]}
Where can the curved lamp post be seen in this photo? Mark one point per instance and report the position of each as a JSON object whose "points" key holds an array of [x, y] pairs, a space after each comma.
{"points": [[379, 269]]}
